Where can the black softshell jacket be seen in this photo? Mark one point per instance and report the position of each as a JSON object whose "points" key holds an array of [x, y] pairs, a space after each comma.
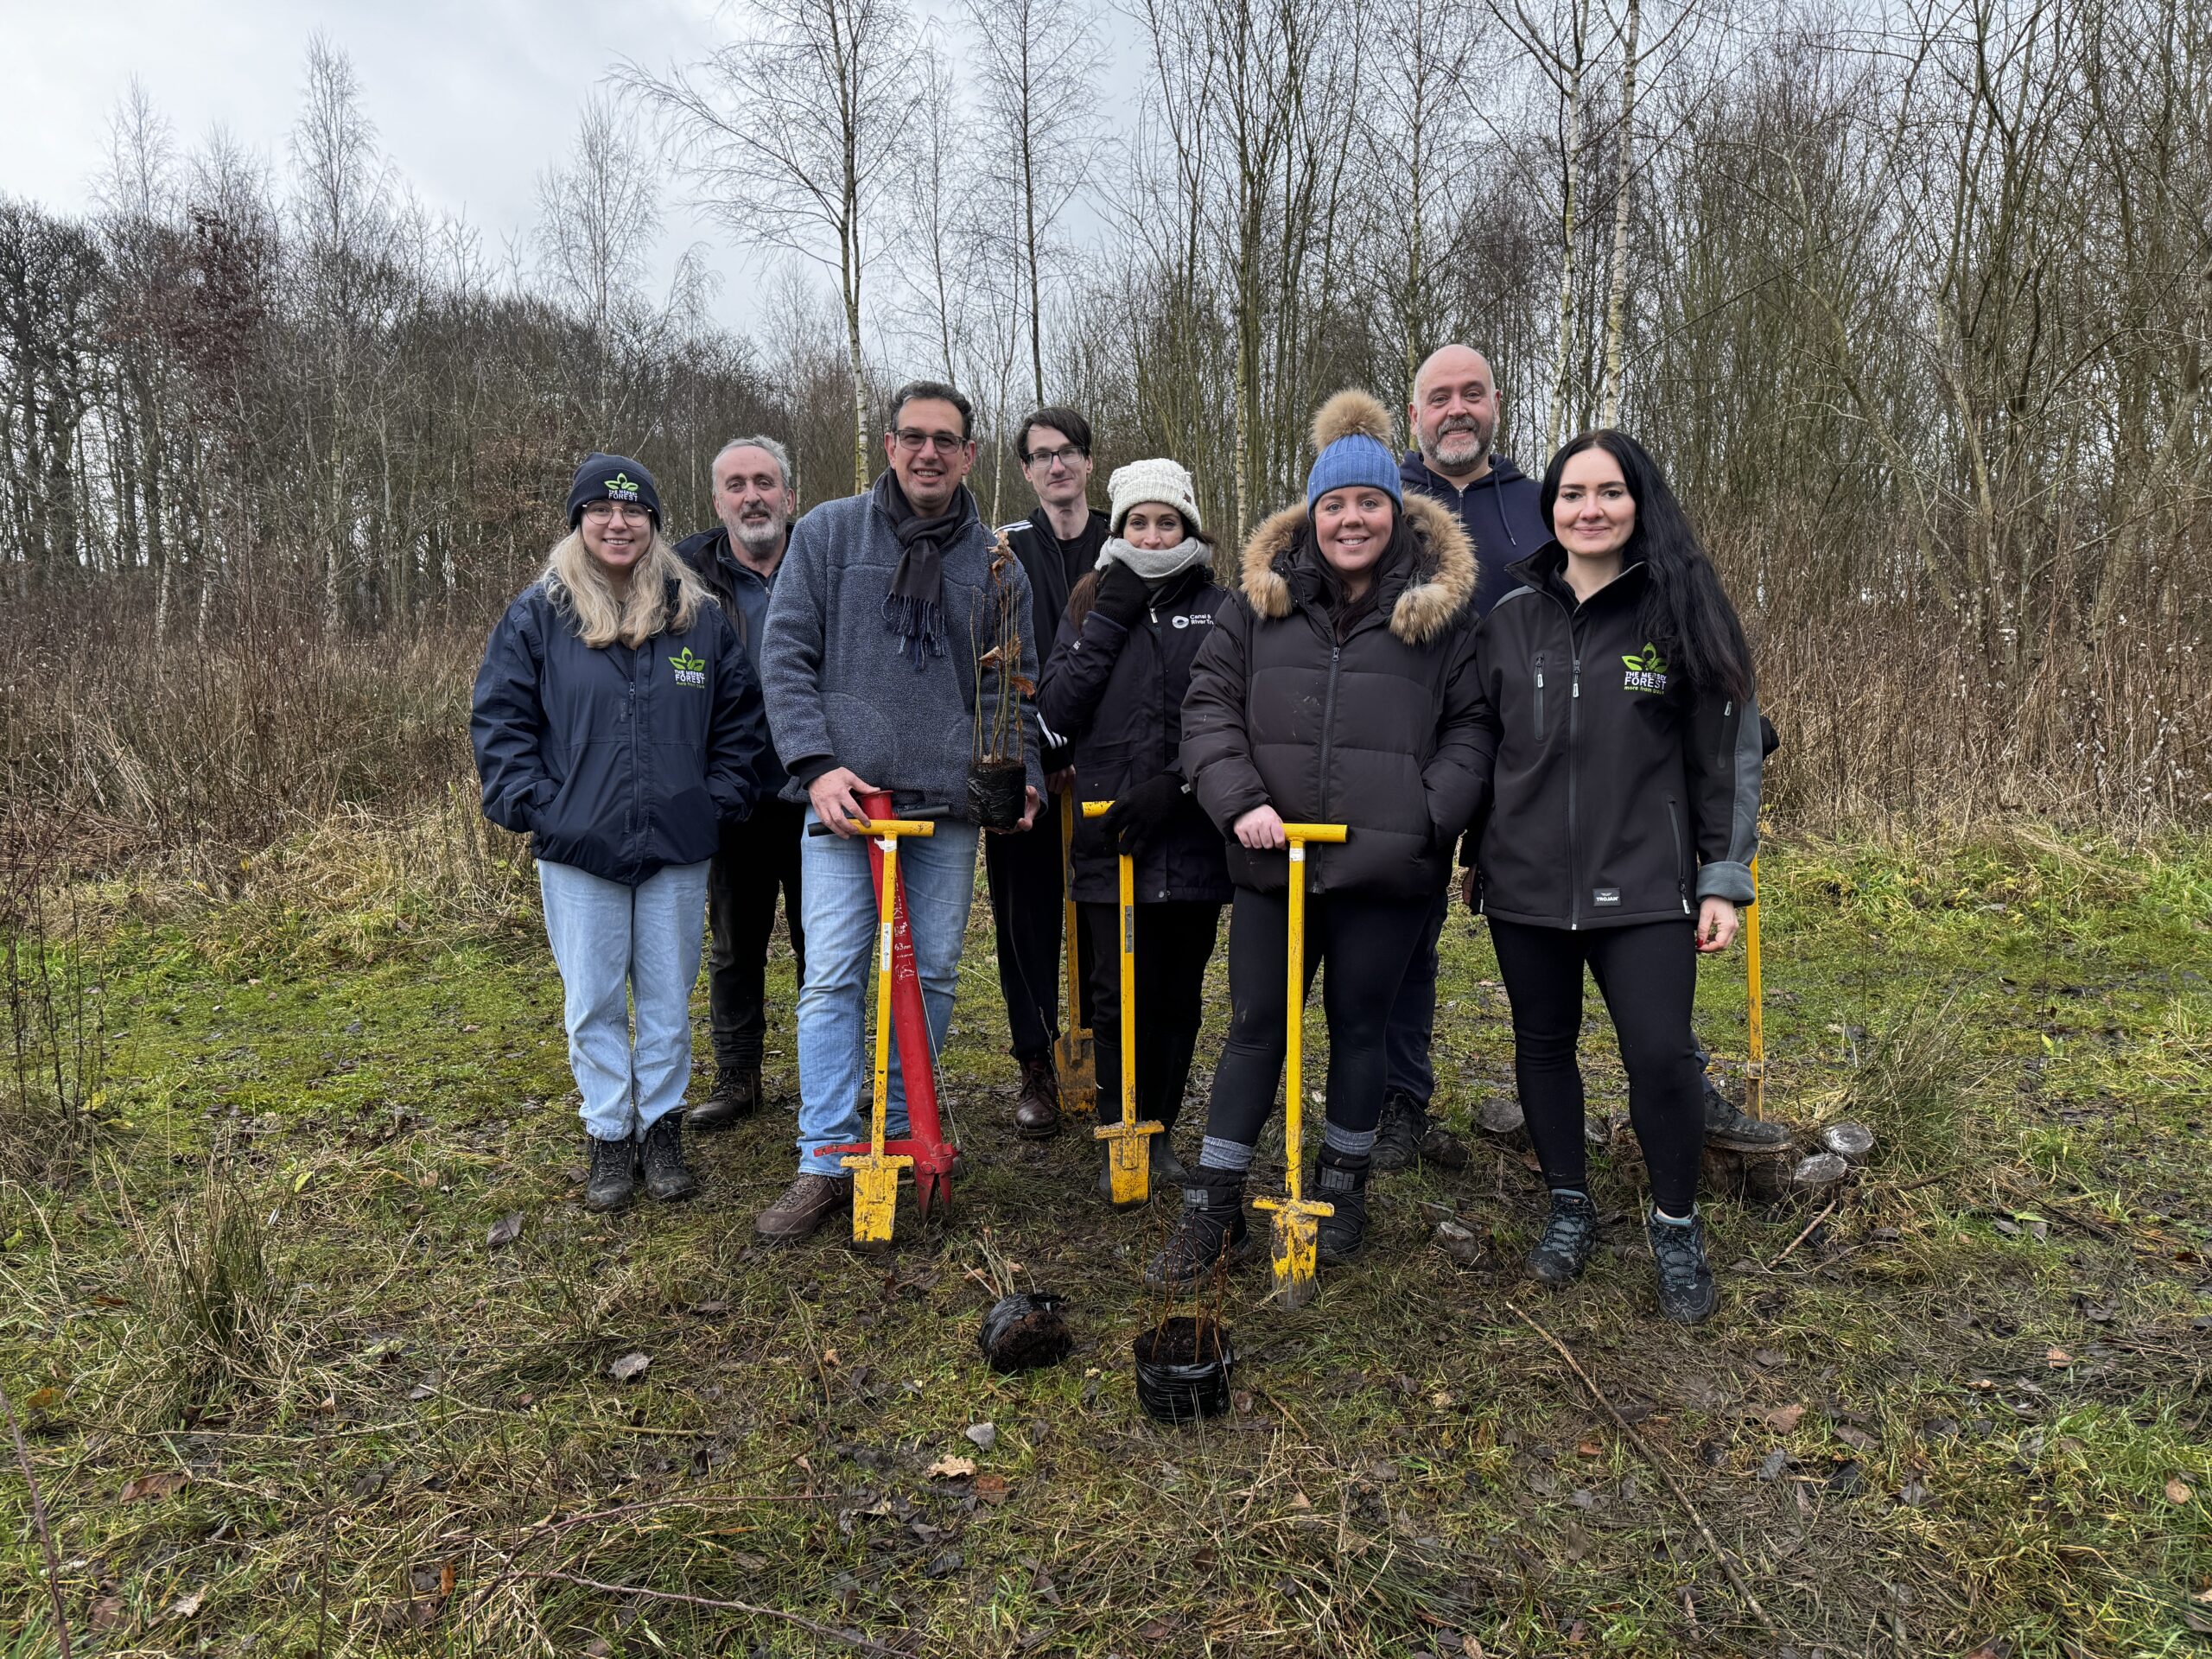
{"points": [[1618, 795], [1117, 695], [1381, 732], [620, 762]]}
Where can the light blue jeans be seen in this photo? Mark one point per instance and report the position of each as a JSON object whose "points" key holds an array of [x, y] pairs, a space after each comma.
{"points": [[614, 944], [837, 1042]]}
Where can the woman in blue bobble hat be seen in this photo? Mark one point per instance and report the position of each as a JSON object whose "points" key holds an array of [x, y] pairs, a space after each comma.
{"points": [[1337, 688]]}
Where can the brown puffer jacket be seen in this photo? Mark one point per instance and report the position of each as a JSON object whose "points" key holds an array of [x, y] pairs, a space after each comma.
{"points": [[1380, 731]]}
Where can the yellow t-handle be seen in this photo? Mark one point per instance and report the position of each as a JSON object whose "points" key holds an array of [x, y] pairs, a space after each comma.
{"points": [[1130, 1168], [1297, 1224]]}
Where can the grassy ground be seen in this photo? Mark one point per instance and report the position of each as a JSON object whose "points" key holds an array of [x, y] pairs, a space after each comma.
{"points": [[282, 1397]]}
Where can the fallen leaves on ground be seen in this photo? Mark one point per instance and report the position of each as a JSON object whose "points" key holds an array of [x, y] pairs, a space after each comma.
{"points": [[160, 1484], [952, 1468], [629, 1368], [504, 1231]]}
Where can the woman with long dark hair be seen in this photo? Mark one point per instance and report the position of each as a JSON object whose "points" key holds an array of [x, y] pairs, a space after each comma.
{"points": [[1622, 815]]}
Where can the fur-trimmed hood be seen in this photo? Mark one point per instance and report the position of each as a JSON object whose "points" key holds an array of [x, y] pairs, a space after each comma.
{"points": [[1437, 590]]}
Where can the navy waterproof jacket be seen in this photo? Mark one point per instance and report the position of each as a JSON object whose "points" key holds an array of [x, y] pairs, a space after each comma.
{"points": [[619, 762]]}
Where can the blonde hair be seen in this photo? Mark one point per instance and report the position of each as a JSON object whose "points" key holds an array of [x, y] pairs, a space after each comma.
{"points": [[578, 585]]}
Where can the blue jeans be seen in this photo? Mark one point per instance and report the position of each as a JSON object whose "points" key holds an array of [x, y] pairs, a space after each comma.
{"points": [[612, 944], [836, 1041]]}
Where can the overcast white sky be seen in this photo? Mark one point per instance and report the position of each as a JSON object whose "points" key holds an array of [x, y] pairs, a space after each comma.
{"points": [[471, 98]]}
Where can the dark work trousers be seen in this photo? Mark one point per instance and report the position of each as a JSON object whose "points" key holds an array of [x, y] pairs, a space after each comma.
{"points": [[1648, 975], [1408, 1069], [1175, 942], [1366, 942], [1412, 1020], [1023, 869], [758, 857]]}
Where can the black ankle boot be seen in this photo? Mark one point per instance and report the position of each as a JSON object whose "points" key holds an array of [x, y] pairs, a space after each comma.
{"points": [[614, 1174], [666, 1177], [1569, 1236], [1210, 1226], [1687, 1292], [1340, 1180]]}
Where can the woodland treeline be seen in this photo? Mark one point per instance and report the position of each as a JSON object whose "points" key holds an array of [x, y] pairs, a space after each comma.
{"points": [[1913, 301]]}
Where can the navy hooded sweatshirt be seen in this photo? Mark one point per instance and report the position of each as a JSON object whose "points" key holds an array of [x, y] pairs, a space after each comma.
{"points": [[1502, 515]]}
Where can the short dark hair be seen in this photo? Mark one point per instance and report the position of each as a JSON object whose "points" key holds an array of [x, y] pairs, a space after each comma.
{"points": [[936, 391], [1061, 420]]}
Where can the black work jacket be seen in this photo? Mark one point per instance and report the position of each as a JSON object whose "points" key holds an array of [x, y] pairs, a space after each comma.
{"points": [[1115, 694], [1619, 793]]}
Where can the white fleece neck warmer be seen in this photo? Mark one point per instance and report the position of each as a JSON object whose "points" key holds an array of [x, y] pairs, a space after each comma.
{"points": [[1156, 564]]}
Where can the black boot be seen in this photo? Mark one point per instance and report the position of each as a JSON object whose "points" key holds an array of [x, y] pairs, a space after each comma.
{"points": [[1210, 1226], [614, 1174], [1727, 1125], [736, 1094], [1397, 1137], [1687, 1292], [1340, 1181], [666, 1177], [1569, 1236]]}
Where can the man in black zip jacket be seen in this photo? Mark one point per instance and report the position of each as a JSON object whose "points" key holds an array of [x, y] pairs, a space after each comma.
{"points": [[1453, 418], [1058, 544], [760, 856]]}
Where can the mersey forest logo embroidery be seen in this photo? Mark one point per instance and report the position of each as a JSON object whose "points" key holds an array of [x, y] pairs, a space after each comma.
{"points": [[1645, 673], [621, 487], [690, 670]]}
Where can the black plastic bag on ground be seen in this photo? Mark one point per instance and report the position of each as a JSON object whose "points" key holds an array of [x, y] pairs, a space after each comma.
{"points": [[1026, 1330]]}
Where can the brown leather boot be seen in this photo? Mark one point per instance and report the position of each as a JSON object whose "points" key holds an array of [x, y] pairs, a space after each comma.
{"points": [[807, 1203], [1037, 1114]]}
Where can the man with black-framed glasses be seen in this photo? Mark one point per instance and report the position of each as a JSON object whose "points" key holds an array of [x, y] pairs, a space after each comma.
{"points": [[1056, 544], [868, 672]]}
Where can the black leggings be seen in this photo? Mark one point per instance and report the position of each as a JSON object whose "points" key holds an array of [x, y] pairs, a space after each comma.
{"points": [[1367, 943], [1175, 942], [1648, 975]]}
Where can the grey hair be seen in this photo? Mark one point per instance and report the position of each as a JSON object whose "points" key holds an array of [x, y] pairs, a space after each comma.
{"points": [[777, 452]]}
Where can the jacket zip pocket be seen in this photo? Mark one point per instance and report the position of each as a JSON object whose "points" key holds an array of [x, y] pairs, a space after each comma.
{"points": [[1681, 882], [1539, 697]]}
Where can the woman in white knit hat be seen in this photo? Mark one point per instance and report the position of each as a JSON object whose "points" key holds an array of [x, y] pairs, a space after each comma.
{"points": [[1114, 689]]}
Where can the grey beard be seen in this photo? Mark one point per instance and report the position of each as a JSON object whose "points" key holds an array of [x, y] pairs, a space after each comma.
{"points": [[760, 540], [1432, 452]]}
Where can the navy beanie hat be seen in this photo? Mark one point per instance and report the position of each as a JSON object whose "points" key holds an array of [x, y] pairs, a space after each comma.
{"points": [[611, 478], [1351, 444]]}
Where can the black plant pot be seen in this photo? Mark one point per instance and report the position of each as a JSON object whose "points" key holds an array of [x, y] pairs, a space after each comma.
{"points": [[1183, 1369], [997, 792], [1025, 1330]]}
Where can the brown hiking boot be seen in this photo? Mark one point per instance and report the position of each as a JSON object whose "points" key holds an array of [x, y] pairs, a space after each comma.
{"points": [[807, 1203], [736, 1094], [1037, 1114]]}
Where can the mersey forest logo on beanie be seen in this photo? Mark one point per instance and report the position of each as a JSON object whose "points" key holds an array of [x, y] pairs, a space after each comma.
{"points": [[611, 478], [621, 487]]}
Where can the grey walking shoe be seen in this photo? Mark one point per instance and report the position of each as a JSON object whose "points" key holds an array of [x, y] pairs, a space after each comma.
{"points": [[1687, 1292], [1570, 1235], [614, 1174], [1727, 1125], [666, 1176]]}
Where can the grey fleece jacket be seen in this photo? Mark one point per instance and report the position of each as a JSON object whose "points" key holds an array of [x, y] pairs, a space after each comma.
{"points": [[838, 692]]}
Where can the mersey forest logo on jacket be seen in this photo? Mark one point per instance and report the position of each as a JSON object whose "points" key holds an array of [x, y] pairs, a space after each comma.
{"points": [[1645, 673], [690, 670]]}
